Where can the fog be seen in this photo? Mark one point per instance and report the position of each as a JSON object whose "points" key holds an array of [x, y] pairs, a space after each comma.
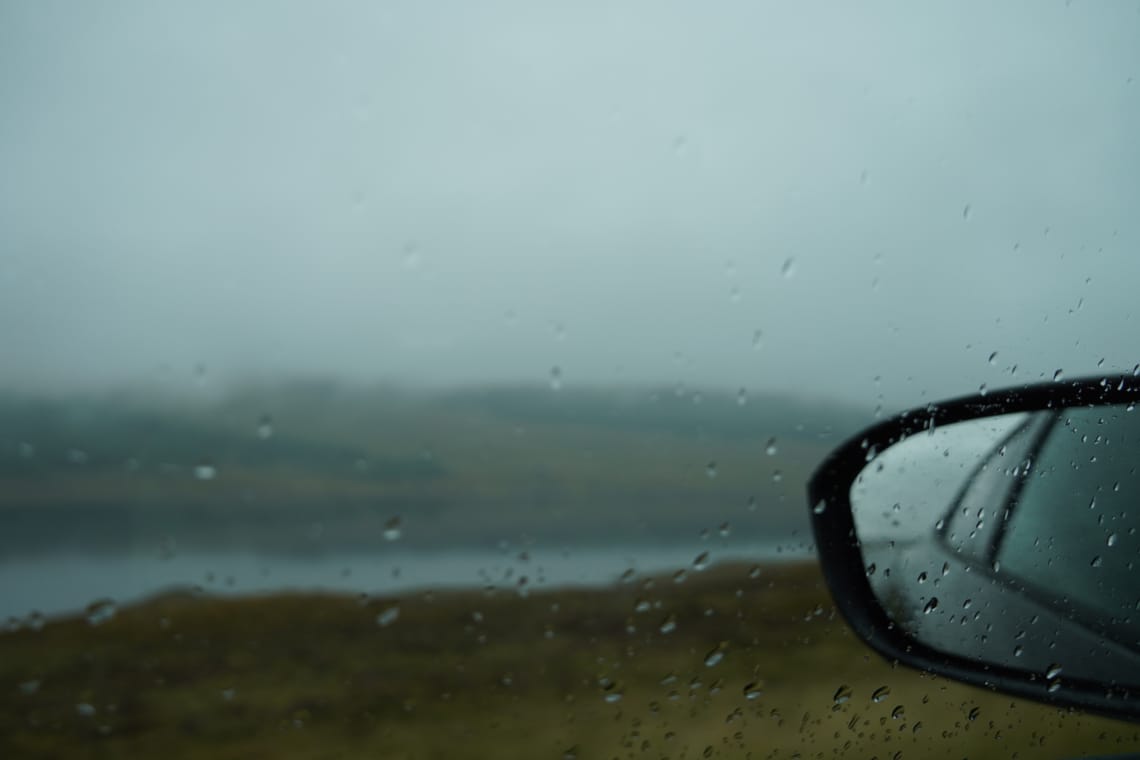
{"points": [[808, 197]]}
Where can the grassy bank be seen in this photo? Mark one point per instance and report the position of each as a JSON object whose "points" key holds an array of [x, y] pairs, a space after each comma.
{"points": [[732, 662]]}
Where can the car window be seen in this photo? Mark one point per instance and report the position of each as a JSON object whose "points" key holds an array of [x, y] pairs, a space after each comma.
{"points": [[1075, 508], [442, 379]]}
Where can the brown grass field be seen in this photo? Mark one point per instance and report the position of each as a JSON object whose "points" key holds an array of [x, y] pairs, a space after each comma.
{"points": [[733, 662]]}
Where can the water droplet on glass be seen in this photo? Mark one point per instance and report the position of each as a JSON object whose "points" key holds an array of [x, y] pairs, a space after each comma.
{"points": [[710, 469], [724, 530], [864, 177], [100, 611], [393, 529], [757, 339], [770, 448], [821, 507], [931, 606], [1018, 650], [789, 268], [982, 389], [1058, 376], [966, 211], [714, 657], [265, 427], [411, 253], [555, 378], [701, 562], [388, 616], [1096, 561], [974, 713], [205, 471], [742, 397], [669, 624], [612, 697], [1053, 671], [898, 713], [777, 476], [752, 691], [1111, 541], [993, 358], [842, 694], [85, 710], [881, 693]]}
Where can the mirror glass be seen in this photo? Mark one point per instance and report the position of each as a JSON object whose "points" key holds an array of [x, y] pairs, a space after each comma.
{"points": [[1012, 540]]}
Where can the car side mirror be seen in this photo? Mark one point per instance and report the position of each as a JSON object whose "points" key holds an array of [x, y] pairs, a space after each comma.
{"points": [[994, 539]]}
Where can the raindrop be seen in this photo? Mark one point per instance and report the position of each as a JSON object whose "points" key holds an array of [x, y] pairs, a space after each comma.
{"points": [[993, 358], [669, 624], [864, 177], [789, 268], [701, 562], [393, 529], [777, 476], [842, 694], [411, 255], [205, 471], [85, 710], [714, 657], [757, 339], [898, 713], [1053, 671], [982, 389], [555, 378], [752, 691], [966, 211], [922, 577], [1096, 561], [710, 469], [770, 448], [725, 530], [1111, 539], [820, 508], [265, 427], [388, 616], [1058, 376], [1018, 650], [931, 606], [881, 693], [613, 697], [974, 713], [100, 611], [742, 397]]}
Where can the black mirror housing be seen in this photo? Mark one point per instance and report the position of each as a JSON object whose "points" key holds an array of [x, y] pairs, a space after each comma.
{"points": [[843, 550]]}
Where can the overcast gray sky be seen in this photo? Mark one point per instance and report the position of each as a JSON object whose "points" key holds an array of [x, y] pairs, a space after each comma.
{"points": [[454, 192]]}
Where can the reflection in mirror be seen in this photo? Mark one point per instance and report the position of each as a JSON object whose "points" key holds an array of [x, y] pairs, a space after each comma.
{"points": [[1012, 540]]}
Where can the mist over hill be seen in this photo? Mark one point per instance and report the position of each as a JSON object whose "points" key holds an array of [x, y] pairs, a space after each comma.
{"points": [[317, 466]]}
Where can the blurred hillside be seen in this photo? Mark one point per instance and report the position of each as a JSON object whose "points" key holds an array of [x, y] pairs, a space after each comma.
{"points": [[318, 466]]}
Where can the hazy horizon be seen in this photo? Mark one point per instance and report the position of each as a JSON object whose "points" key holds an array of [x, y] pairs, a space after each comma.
{"points": [[884, 205]]}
